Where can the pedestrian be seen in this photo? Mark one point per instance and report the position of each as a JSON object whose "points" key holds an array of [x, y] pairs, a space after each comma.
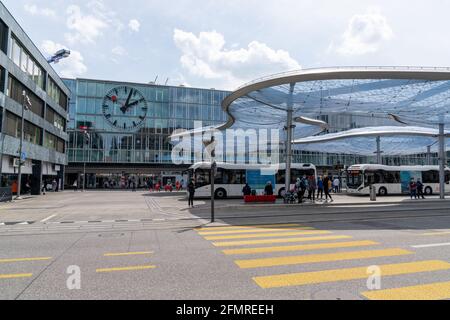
{"points": [[43, 187], [54, 183], [327, 188], [75, 185], [336, 185], [312, 189], [319, 188], [420, 189], [191, 191], [298, 189], [247, 190], [413, 189], [150, 185], [268, 190]]}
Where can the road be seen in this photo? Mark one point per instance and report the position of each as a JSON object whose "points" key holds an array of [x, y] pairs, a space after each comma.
{"points": [[136, 245]]}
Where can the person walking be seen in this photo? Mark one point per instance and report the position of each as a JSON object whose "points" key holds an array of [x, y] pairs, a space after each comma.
{"points": [[413, 189], [268, 190], [420, 189], [319, 188], [327, 188], [191, 191], [54, 184], [43, 187], [75, 185], [312, 189]]}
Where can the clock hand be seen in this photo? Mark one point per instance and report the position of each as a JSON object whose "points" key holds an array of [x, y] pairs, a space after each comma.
{"points": [[128, 99]]}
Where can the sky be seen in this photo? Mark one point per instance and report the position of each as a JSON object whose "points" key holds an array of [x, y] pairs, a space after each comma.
{"points": [[223, 44]]}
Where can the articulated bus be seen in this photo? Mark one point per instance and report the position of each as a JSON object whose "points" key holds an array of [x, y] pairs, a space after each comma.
{"points": [[231, 178], [393, 179]]}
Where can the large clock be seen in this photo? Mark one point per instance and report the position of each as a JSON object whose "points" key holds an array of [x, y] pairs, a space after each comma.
{"points": [[125, 108]]}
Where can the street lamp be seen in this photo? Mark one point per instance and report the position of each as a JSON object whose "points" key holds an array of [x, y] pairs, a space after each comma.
{"points": [[86, 140], [211, 146], [26, 104], [60, 54]]}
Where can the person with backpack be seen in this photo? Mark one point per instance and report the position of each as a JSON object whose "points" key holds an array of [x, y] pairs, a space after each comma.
{"points": [[268, 190], [420, 189]]}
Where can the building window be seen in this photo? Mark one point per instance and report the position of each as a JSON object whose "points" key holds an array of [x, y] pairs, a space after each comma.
{"points": [[53, 142], [57, 94], [3, 36], [27, 63], [55, 119], [31, 132], [15, 89]]}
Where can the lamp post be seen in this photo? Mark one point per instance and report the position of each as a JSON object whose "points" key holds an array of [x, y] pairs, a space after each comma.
{"points": [[19, 175], [212, 151], [86, 140]]}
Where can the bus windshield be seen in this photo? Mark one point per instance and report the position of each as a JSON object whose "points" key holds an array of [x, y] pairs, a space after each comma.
{"points": [[354, 179]]}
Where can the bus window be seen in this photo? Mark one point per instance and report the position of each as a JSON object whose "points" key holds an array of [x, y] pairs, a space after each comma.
{"points": [[280, 176], [431, 176], [391, 176], [202, 178]]}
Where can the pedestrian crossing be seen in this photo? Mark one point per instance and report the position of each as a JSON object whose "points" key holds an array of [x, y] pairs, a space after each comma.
{"points": [[271, 246]]}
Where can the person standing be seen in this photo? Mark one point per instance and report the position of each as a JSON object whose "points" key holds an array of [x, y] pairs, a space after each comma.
{"points": [[75, 185], [413, 189], [298, 189], [420, 189], [336, 185], [268, 190], [54, 184], [327, 188], [319, 188], [312, 188], [191, 191], [246, 191], [43, 187]]}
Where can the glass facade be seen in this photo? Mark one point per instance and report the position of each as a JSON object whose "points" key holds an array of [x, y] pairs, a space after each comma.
{"points": [[130, 123]]}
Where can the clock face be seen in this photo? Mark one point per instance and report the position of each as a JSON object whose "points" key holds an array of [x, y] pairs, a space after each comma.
{"points": [[125, 108]]}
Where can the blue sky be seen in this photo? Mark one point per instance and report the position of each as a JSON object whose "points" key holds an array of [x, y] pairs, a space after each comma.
{"points": [[224, 43]]}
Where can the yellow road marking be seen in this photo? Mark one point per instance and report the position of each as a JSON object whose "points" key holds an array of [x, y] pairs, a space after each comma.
{"points": [[267, 235], [127, 253], [277, 240], [16, 275], [125, 268], [306, 278], [24, 259], [248, 226], [431, 291], [435, 233], [253, 230], [314, 258], [303, 247]]}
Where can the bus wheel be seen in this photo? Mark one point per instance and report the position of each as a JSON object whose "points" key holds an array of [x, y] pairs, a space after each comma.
{"points": [[428, 191], [220, 193], [382, 192], [281, 193]]}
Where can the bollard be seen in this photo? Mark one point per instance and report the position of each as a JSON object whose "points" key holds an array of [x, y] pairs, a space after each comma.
{"points": [[373, 193]]}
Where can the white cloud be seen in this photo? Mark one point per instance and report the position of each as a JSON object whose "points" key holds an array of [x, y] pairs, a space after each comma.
{"points": [[205, 56], [119, 51], [70, 67], [365, 34], [34, 10], [134, 25]]}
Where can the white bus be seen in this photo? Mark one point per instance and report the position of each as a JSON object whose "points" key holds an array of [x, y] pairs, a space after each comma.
{"points": [[231, 178], [393, 179]]}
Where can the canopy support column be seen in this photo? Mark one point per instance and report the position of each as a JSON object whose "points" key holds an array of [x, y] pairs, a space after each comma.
{"points": [[441, 161], [429, 155], [289, 127], [378, 152]]}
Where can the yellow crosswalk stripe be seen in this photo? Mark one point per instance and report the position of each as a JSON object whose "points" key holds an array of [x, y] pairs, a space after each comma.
{"points": [[125, 268], [267, 235], [336, 275], [127, 253], [277, 240], [24, 259], [431, 291], [303, 247], [250, 226], [315, 258], [253, 230], [15, 275]]}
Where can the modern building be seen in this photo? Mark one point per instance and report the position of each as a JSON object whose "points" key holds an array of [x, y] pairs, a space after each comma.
{"points": [[26, 78], [118, 131]]}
